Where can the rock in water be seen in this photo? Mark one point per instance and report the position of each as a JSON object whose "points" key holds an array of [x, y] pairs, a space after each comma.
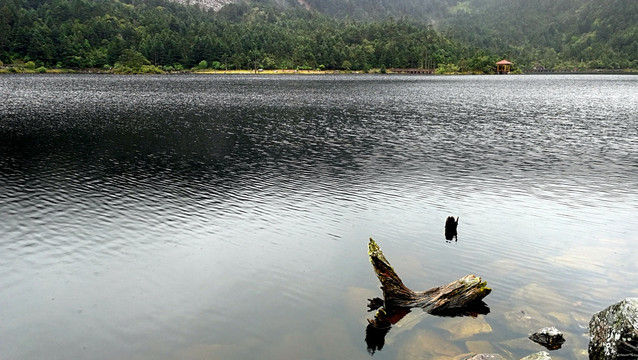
{"points": [[486, 357], [549, 337], [613, 332], [543, 355]]}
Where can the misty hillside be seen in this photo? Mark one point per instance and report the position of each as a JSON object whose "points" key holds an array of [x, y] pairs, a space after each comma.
{"points": [[535, 33], [155, 36], [451, 35], [365, 10], [214, 5], [427, 10], [551, 33]]}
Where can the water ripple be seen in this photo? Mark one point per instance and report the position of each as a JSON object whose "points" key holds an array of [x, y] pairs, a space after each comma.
{"points": [[178, 207]]}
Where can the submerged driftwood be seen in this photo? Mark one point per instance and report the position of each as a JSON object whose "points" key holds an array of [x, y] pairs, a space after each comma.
{"points": [[458, 298]]}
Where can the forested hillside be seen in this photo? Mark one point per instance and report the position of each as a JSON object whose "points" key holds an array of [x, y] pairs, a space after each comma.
{"points": [[552, 34], [422, 10], [98, 34], [453, 35], [535, 34]]}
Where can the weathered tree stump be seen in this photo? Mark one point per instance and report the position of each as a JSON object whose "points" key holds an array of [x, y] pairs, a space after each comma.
{"points": [[458, 298], [450, 227]]}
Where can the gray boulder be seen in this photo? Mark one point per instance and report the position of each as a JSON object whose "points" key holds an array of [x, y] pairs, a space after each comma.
{"points": [[542, 355], [486, 357], [613, 332]]}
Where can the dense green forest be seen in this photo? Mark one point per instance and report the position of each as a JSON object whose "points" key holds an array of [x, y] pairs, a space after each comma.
{"points": [[535, 34], [452, 35], [422, 10], [98, 34], [551, 34]]}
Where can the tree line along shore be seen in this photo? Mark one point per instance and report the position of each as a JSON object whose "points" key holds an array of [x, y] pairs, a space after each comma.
{"points": [[156, 36]]}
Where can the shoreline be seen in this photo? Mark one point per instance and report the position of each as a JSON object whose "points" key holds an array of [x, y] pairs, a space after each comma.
{"points": [[22, 70]]}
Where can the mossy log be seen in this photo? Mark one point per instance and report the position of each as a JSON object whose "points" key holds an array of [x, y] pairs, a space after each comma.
{"points": [[459, 297]]}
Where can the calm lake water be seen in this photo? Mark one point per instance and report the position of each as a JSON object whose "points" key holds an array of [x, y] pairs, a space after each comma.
{"points": [[214, 217]]}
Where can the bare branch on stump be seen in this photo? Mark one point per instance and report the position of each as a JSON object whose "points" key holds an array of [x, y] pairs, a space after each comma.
{"points": [[460, 297]]}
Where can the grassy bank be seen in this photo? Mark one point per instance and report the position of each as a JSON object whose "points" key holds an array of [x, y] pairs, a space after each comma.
{"points": [[18, 69], [27, 69]]}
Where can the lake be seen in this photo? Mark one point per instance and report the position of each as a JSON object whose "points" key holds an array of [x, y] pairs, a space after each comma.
{"points": [[228, 217]]}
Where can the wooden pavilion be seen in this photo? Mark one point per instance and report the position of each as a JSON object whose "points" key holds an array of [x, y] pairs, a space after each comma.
{"points": [[503, 67]]}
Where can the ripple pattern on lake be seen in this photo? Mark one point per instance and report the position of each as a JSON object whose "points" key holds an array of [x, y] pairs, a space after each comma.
{"points": [[228, 215]]}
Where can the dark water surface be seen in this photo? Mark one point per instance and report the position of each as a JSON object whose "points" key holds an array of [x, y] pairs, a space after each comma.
{"points": [[212, 217]]}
